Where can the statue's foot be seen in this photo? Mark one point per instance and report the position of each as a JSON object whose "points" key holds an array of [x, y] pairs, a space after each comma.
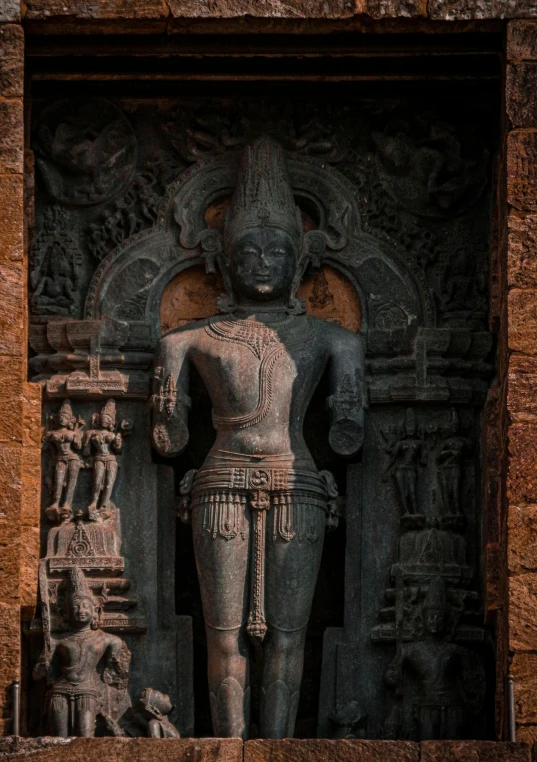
{"points": [[93, 512], [65, 514], [412, 521], [53, 512]]}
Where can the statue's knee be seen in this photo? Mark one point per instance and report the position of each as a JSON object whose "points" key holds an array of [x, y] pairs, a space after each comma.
{"points": [[224, 642]]}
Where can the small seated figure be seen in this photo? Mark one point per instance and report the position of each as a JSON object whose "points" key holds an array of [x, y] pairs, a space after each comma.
{"points": [[70, 664], [106, 444], [152, 710], [55, 283], [65, 439]]}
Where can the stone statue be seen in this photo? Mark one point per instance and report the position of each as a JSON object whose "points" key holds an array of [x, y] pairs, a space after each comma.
{"points": [[406, 452], [70, 663], [449, 468], [66, 440], [447, 674], [258, 504], [106, 443]]}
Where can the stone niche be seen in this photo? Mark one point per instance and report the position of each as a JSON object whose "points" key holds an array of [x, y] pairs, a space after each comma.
{"points": [[130, 194]]}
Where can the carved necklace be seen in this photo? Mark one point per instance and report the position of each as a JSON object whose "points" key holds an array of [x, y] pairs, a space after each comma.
{"points": [[265, 344]]}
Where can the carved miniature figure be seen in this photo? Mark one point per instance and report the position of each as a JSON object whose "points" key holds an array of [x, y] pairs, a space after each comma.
{"points": [[258, 504], [152, 710], [106, 442], [55, 282], [447, 674], [71, 664], [407, 453], [449, 461], [66, 439]]}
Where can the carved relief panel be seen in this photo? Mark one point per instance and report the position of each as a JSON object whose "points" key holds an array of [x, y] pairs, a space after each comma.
{"points": [[148, 220]]}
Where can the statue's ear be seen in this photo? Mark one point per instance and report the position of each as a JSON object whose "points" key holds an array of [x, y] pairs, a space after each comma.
{"points": [[212, 246]]}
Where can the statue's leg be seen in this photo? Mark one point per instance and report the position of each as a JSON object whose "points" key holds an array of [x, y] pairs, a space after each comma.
{"points": [[58, 716], [292, 567], [85, 716], [98, 479], [109, 481], [72, 476], [59, 481], [221, 544]]}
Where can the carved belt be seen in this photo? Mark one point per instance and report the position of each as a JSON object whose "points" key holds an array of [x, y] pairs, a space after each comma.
{"points": [[225, 492]]}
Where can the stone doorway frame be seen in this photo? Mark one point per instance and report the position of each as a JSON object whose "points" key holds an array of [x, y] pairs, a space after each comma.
{"points": [[510, 457]]}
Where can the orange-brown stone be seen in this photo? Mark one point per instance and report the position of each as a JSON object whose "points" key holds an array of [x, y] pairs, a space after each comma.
{"points": [[11, 61], [522, 538], [522, 477], [11, 137], [322, 750], [12, 309], [523, 612], [522, 251], [521, 44], [9, 659], [474, 751], [122, 749], [522, 317], [522, 169], [11, 218], [522, 382], [524, 671], [521, 94]]}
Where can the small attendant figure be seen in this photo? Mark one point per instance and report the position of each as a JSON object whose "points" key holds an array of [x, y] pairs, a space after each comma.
{"points": [[105, 443], [152, 712], [65, 439], [70, 663]]}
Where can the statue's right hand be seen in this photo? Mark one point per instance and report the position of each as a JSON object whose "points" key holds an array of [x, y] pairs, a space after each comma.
{"points": [[40, 669], [170, 438]]}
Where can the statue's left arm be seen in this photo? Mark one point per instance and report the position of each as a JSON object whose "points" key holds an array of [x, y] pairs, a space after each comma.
{"points": [[348, 398], [170, 400]]}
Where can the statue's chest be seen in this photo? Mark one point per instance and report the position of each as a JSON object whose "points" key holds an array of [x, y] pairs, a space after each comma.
{"points": [[241, 354]]}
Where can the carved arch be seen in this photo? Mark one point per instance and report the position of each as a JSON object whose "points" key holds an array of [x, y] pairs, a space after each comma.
{"points": [[129, 282]]}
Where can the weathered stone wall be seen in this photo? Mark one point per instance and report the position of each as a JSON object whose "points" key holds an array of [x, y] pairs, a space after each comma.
{"points": [[514, 291], [521, 162], [20, 418]]}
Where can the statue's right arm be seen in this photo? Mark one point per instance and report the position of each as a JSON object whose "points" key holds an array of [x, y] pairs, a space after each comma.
{"points": [[170, 399]]}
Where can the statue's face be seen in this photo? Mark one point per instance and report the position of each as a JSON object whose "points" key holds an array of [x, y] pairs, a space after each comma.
{"points": [[82, 611], [435, 621], [263, 264], [65, 420], [106, 421]]}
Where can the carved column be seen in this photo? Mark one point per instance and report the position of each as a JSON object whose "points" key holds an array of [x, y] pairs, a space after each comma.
{"points": [[19, 401]]}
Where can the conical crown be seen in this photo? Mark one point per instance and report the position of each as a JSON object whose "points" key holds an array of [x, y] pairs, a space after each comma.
{"points": [[110, 409], [262, 195], [66, 408], [77, 586]]}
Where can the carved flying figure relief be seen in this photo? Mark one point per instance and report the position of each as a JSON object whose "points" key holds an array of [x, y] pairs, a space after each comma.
{"points": [[80, 664], [258, 505], [65, 440]]}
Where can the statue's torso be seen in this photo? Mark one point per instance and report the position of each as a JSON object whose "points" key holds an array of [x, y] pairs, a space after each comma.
{"points": [[260, 378]]}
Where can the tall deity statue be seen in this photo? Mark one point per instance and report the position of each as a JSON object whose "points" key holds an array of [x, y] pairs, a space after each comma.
{"points": [[258, 504]]}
